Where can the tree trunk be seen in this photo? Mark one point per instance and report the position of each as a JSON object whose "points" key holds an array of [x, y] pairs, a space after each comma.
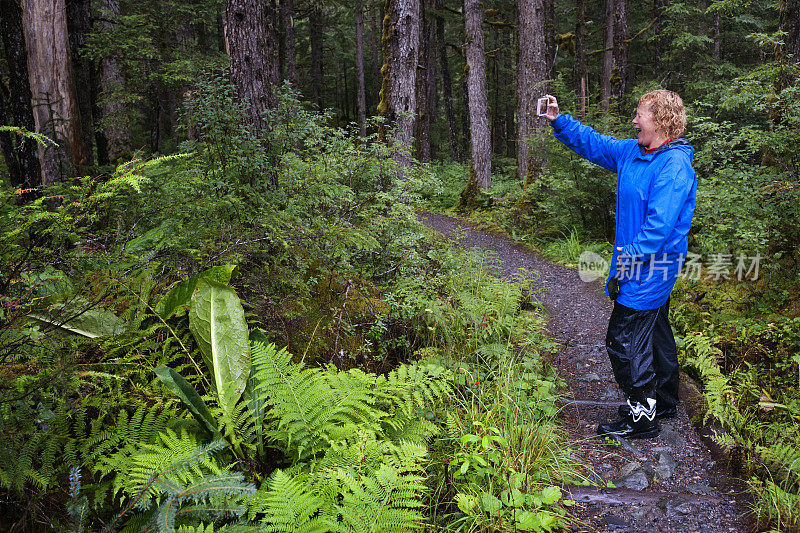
{"points": [[78, 26], [531, 73], [717, 55], [315, 28], [447, 86], [549, 7], [618, 80], [112, 81], [481, 146], [401, 51], [290, 48], [52, 86], [608, 55], [362, 98], [790, 23], [427, 82], [581, 70], [250, 41], [20, 152]]}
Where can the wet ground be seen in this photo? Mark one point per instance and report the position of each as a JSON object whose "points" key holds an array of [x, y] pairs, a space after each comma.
{"points": [[671, 483]]}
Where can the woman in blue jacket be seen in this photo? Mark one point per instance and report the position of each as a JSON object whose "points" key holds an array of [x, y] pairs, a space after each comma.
{"points": [[656, 190]]}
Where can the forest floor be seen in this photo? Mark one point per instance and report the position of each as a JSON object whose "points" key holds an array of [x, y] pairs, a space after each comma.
{"points": [[671, 483]]}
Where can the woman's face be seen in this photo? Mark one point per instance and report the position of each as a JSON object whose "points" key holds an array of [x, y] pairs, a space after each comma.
{"points": [[646, 128]]}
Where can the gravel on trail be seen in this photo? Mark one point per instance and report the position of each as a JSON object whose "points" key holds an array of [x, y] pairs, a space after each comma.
{"points": [[671, 483]]}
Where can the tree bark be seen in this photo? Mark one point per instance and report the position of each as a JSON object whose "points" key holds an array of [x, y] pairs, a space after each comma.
{"points": [[717, 55], [426, 84], [481, 146], [531, 73], [78, 26], [447, 86], [20, 152], [315, 28], [55, 108], [581, 70], [618, 80], [251, 43], [290, 48], [549, 7], [608, 55], [112, 82], [790, 23], [361, 97], [790, 52], [401, 29]]}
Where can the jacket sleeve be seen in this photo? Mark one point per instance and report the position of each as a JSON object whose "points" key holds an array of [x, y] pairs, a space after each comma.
{"points": [[602, 150], [669, 191]]}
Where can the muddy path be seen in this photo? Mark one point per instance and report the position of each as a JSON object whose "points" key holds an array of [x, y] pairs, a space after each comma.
{"points": [[671, 483]]}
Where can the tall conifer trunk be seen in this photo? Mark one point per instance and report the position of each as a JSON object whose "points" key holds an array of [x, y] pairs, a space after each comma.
{"points": [[581, 71], [315, 29], [361, 96], [608, 55], [250, 40], [447, 86], [78, 26], [55, 108], [531, 73], [401, 28], [20, 152], [426, 84], [290, 48], [480, 138], [620, 54]]}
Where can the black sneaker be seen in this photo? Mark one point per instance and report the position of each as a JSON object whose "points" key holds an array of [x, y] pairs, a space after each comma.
{"points": [[667, 411], [626, 428]]}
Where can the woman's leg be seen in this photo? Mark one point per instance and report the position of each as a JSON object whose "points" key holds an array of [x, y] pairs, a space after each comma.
{"points": [[665, 361]]}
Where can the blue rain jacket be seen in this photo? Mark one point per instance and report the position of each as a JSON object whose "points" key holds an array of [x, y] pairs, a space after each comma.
{"points": [[656, 195]]}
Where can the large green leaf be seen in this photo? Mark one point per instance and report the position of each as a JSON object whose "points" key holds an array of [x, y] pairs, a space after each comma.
{"points": [[81, 317], [216, 319], [179, 295], [184, 390]]}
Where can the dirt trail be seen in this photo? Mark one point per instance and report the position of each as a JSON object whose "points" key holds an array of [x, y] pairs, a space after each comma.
{"points": [[667, 484]]}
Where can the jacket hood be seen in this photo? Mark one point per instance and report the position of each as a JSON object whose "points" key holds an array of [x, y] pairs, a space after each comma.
{"points": [[681, 144]]}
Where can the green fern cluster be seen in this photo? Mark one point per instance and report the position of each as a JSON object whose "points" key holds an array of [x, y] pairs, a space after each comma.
{"points": [[356, 442]]}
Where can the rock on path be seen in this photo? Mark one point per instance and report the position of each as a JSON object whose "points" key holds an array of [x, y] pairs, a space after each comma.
{"points": [[667, 484]]}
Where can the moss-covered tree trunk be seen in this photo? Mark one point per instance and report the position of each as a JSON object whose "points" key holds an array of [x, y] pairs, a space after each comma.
{"points": [[480, 138], [55, 108], [20, 152], [531, 73], [790, 23], [401, 27]]}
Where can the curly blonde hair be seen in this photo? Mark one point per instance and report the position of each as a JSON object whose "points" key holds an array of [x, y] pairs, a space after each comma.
{"points": [[668, 112]]}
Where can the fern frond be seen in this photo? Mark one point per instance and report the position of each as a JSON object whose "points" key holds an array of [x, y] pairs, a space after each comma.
{"points": [[287, 505]]}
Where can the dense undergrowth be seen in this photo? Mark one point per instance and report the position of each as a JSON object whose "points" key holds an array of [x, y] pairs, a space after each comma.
{"points": [[736, 316], [185, 348]]}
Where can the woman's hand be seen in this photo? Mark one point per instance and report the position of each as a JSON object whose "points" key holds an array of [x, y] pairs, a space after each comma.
{"points": [[552, 107]]}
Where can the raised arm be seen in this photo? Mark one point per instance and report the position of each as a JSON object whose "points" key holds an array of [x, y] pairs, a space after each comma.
{"points": [[602, 150]]}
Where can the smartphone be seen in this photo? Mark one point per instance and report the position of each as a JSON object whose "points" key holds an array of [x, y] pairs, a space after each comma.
{"points": [[541, 106]]}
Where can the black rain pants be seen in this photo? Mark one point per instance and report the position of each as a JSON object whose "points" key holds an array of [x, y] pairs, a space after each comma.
{"points": [[643, 354]]}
